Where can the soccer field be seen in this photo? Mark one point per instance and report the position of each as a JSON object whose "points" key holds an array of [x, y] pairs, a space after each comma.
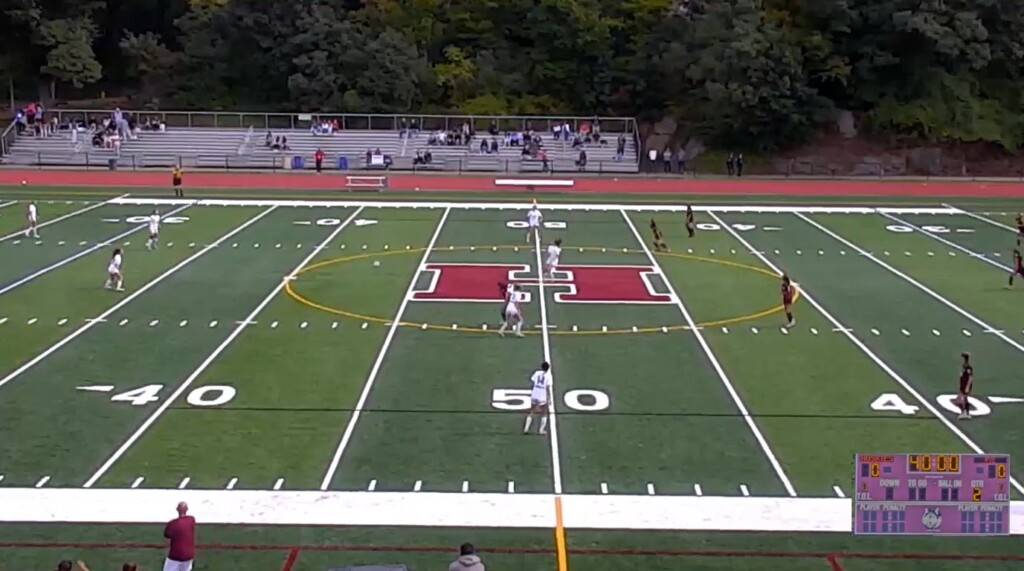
{"points": [[336, 363]]}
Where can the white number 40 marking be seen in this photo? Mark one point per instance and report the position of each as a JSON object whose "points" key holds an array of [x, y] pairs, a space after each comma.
{"points": [[891, 402], [583, 400], [222, 394]]}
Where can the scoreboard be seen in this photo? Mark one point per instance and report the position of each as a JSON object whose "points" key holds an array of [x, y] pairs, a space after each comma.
{"points": [[932, 494]]}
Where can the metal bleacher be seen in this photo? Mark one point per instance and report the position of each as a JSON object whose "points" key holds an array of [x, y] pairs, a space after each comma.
{"points": [[237, 141]]}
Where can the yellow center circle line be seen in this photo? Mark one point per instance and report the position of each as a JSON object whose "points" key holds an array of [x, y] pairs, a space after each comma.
{"points": [[290, 290]]}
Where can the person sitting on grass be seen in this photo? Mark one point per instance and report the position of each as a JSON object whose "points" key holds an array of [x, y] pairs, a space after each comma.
{"points": [[468, 560]]}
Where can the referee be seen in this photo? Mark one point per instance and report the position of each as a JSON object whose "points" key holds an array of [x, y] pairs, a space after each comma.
{"points": [[176, 181]]}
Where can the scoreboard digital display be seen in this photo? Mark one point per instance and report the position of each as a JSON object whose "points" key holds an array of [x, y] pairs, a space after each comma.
{"points": [[932, 494]]}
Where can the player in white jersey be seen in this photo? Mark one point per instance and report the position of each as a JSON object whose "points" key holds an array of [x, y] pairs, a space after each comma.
{"points": [[554, 253], [154, 230], [512, 314], [32, 214], [540, 382], [534, 218], [114, 278]]}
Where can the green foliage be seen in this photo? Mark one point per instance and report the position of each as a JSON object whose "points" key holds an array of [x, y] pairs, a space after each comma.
{"points": [[754, 74]]}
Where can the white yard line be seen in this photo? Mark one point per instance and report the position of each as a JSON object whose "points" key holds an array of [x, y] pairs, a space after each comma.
{"points": [[213, 356], [372, 377], [949, 243], [740, 406], [963, 312], [839, 327], [103, 316], [556, 465], [6, 204], [984, 219], [79, 212], [81, 254]]}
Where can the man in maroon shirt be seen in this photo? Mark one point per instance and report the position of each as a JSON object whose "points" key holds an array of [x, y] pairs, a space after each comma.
{"points": [[181, 531]]}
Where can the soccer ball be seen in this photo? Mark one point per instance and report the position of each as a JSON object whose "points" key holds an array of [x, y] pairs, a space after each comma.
{"points": [[376, 263]]}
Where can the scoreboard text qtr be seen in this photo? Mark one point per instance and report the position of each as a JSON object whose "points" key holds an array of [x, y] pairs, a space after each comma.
{"points": [[932, 494]]}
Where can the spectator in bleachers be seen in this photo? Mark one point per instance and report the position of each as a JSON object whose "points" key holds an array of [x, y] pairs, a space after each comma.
{"points": [[494, 146], [577, 141], [544, 165], [428, 157], [493, 129], [276, 146], [403, 128], [581, 162], [483, 146], [666, 158], [284, 143], [268, 141], [318, 159], [418, 159], [556, 132], [20, 122], [620, 148], [414, 128]]}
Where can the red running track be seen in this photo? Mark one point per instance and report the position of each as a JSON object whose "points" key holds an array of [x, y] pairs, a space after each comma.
{"points": [[453, 183]]}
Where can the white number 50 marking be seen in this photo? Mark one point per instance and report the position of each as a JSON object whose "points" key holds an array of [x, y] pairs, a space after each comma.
{"points": [[583, 400]]}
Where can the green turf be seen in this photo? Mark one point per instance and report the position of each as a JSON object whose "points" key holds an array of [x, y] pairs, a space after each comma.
{"points": [[295, 376]]}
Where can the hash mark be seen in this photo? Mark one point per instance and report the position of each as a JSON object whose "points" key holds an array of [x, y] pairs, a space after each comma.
{"points": [[42, 481], [231, 484], [465, 486], [183, 323], [814, 331], [664, 329], [372, 486], [417, 486], [274, 325], [754, 330], [838, 491], [821, 252], [365, 325], [784, 330], [191, 244], [298, 246], [1, 477], [905, 332], [744, 490], [122, 323], [277, 246], [455, 325], [334, 325], [575, 328], [62, 322], [154, 322], [32, 321], [604, 487], [798, 253], [725, 330], [604, 329], [511, 487], [842, 252], [935, 332], [966, 333], [304, 325], [3, 320], [712, 250], [697, 490], [184, 483], [874, 331], [213, 323], [423, 327], [278, 484], [138, 482], [650, 489]]}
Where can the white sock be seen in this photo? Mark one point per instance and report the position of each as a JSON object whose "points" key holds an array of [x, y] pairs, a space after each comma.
{"points": [[543, 423], [518, 327], [529, 421], [504, 326], [120, 284], [108, 284]]}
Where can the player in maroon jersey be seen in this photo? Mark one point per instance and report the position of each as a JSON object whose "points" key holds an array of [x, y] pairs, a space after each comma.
{"points": [[787, 300], [659, 238], [690, 226], [966, 384], [1020, 227], [1018, 267]]}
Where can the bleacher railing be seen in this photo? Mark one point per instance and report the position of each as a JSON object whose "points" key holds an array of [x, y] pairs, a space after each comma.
{"points": [[7, 139], [469, 164], [271, 121]]}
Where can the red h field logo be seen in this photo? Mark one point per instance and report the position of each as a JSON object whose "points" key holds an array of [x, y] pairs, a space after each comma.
{"points": [[573, 284]]}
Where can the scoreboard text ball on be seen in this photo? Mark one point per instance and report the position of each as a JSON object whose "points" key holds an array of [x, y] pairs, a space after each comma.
{"points": [[932, 494]]}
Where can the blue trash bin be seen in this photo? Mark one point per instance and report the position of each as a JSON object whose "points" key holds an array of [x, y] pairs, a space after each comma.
{"points": [[297, 163], [342, 163]]}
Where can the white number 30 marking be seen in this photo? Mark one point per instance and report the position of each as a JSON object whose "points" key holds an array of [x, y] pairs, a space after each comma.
{"points": [[198, 397]]}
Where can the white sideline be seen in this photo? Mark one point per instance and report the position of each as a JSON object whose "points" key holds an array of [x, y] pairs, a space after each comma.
{"points": [[949, 243], [984, 219], [372, 377], [556, 463], [121, 450], [90, 323], [524, 205], [870, 354], [6, 204], [722, 376], [432, 509], [83, 211], [533, 182], [81, 254]]}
